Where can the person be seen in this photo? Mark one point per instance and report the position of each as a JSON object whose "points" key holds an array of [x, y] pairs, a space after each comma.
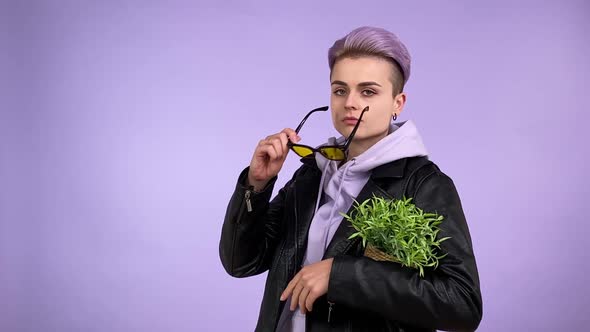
{"points": [[319, 279]]}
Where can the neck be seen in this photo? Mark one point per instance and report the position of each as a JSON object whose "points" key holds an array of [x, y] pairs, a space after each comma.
{"points": [[358, 146]]}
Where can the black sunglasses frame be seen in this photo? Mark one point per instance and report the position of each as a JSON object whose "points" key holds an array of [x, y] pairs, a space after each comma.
{"points": [[343, 147]]}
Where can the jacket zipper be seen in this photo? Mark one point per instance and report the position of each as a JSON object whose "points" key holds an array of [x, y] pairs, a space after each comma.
{"points": [[248, 206], [248, 203], [298, 262], [238, 221], [331, 304]]}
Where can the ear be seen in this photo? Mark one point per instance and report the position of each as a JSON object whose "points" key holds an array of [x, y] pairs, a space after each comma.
{"points": [[399, 102]]}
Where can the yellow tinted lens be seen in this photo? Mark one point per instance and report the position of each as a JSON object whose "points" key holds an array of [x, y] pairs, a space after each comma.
{"points": [[333, 153], [302, 151]]}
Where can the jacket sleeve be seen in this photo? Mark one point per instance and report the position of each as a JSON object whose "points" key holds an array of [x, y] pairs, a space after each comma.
{"points": [[249, 238], [446, 298]]}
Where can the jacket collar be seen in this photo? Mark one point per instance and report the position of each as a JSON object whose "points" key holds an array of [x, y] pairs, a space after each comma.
{"points": [[341, 242]]}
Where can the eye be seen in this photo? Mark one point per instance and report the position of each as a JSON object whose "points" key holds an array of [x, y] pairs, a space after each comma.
{"points": [[339, 92], [368, 93]]}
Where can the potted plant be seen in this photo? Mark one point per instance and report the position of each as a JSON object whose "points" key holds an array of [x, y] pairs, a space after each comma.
{"points": [[398, 231]]}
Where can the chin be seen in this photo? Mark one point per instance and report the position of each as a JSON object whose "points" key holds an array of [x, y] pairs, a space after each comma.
{"points": [[345, 130]]}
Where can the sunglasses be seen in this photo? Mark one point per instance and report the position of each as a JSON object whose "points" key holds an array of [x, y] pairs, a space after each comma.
{"points": [[332, 152]]}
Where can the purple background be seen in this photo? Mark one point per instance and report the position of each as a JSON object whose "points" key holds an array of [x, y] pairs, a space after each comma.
{"points": [[125, 124]]}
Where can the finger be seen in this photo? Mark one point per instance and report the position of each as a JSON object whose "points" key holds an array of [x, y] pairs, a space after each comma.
{"points": [[278, 146], [270, 151], [263, 142], [295, 297], [303, 299], [284, 139], [289, 289], [310, 300], [291, 134]]}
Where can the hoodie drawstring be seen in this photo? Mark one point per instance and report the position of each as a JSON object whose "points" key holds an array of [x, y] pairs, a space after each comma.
{"points": [[321, 188], [331, 221]]}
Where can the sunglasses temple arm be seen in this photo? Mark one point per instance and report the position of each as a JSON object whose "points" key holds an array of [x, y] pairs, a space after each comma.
{"points": [[301, 124], [323, 109], [351, 136]]}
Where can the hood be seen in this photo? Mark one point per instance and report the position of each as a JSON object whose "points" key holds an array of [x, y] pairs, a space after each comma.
{"points": [[341, 185], [403, 141]]}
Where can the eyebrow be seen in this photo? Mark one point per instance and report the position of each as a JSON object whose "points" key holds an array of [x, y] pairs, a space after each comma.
{"points": [[360, 84]]}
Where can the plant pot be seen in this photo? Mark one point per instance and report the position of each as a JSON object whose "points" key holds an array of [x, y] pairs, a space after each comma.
{"points": [[378, 255]]}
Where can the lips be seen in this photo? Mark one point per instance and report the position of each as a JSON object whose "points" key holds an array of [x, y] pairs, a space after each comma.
{"points": [[350, 120]]}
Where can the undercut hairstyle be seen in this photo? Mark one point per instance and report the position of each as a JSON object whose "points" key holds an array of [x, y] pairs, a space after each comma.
{"points": [[373, 42]]}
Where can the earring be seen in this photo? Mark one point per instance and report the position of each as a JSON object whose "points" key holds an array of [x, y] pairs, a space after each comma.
{"points": [[394, 116]]}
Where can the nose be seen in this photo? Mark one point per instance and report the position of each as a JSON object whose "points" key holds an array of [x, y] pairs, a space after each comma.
{"points": [[352, 102]]}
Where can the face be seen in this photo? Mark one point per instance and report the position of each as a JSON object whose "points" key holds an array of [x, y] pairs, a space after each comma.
{"points": [[360, 82]]}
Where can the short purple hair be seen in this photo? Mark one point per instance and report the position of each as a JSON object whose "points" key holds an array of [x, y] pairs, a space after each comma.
{"points": [[372, 41]]}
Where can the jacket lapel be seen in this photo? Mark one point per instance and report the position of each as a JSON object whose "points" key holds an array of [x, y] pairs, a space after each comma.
{"points": [[340, 242], [306, 195]]}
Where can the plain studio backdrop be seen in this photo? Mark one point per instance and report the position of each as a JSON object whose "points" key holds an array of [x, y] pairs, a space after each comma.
{"points": [[124, 126]]}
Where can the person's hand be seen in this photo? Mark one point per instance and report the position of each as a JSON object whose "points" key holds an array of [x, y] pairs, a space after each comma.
{"points": [[309, 284], [269, 157]]}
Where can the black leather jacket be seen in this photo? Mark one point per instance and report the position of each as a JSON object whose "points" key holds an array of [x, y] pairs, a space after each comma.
{"points": [[364, 294]]}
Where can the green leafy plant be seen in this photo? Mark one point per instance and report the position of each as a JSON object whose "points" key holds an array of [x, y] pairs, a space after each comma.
{"points": [[397, 230]]}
